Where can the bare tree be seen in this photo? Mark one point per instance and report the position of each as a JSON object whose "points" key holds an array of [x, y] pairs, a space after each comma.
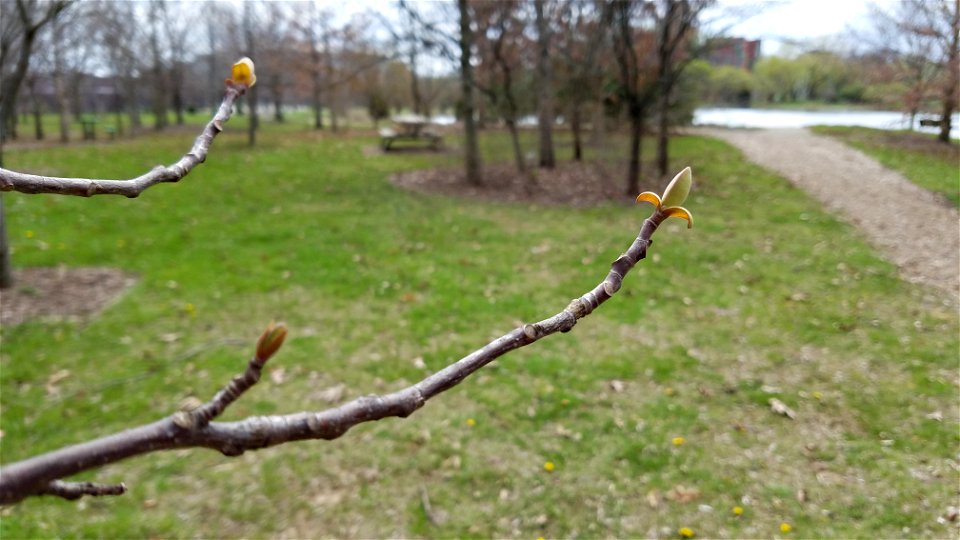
{"points": [[580, 42], [637, 72], [676, 21]]}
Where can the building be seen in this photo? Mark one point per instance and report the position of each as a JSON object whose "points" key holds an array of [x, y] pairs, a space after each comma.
{"points": [[737, 52]]}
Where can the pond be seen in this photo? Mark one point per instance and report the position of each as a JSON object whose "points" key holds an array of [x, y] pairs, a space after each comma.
{"points": [[769, 118]]}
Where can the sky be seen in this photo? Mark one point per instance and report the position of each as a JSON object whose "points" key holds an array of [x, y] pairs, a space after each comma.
{"points": [[777, 22]]}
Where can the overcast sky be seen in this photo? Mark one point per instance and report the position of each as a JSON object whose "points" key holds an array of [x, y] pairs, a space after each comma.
{"points": [[775, 22], [780, 21]]}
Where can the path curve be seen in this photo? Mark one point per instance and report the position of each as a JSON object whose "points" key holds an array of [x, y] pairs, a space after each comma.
{"points": [[911, 226]]}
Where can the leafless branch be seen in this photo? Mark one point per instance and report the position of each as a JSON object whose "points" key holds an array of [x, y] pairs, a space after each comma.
{"points": [[87, 187], [192, 429]]}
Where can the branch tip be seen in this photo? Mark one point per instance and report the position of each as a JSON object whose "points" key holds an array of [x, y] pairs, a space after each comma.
{"points": [[271, 340]]}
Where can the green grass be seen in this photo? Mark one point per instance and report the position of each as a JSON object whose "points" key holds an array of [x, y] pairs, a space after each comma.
{"points": [[918, 156], [768, 296]]}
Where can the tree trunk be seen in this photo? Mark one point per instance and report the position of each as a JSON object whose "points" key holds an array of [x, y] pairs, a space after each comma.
{"points": [[177, 98], [517, 150], [663, 131], [415, 82], [636, 141], [252, 91], [545, 89], [575, 127], [35, 108], [159, 88], [59, 86], [315, 69], [472, 148], [953, 77]]}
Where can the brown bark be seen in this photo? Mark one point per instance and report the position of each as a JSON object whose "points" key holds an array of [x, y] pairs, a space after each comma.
{"points": [[472, 147], [544, 88], [950, 89]]}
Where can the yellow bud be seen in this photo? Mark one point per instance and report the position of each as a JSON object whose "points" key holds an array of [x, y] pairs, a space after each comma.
{"points": [[243, 72], [678, 188], [686, 532], [270, 341]]}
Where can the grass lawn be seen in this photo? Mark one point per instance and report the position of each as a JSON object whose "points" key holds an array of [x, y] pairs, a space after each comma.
{"points": [[918, 156], [767, 297]]}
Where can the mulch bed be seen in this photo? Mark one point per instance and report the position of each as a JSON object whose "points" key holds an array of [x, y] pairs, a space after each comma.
{"points": [[61, 293], [569, 184]]}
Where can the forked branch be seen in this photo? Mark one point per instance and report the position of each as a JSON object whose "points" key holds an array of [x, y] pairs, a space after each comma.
{"points": [[42, 475]]}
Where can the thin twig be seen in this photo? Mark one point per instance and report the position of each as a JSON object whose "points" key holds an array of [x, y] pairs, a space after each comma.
{"points": [[87, 187], [33, 476]]}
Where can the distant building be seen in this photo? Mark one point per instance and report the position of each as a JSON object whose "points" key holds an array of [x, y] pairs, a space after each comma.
{"points": [[737, 52]]}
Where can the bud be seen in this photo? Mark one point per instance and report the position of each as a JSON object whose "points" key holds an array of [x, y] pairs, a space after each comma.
{"points": [[270, 341], [678, 189], [243, 73]]}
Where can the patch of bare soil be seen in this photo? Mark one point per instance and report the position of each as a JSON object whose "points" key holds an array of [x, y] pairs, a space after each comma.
{"points": [[569, 184], [61, 293]]}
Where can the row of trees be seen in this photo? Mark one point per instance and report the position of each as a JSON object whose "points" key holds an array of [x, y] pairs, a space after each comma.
{"points": [[162, 57], [575, 59]]}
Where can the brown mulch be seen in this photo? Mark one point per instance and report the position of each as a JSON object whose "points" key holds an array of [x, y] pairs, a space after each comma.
{"points": [[569, 184], [61, 293]]}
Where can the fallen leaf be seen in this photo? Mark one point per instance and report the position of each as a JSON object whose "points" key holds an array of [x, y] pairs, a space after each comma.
{"points": [[55, 378], [331, 395], [936, 416], [683, 494], [278, 375], [617, 385], [169, 338], [653, 499], [780, 407]]}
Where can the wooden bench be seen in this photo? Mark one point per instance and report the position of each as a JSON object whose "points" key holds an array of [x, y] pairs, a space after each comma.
{"points": [[929, 122]]}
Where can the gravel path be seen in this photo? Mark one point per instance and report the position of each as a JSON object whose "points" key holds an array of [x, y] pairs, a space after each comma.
{"points": [[912, 227]]}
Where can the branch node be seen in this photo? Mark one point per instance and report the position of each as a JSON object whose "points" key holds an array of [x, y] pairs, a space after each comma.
{"points": [[184, 420], [531, 331]]}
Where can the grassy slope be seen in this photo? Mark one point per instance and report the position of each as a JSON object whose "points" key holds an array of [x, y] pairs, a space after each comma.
{"points": [[766, 297], [917, 156]]}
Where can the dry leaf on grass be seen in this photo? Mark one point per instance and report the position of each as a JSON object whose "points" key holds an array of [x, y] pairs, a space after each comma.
{"points": [[781, 408], [683, 494]]}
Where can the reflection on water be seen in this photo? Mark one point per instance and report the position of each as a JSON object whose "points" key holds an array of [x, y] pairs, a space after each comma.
{"points": [[766, 118]]}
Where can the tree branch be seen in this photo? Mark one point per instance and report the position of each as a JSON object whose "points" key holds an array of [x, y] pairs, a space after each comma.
{"points": [[191, 429], [86, 187]]}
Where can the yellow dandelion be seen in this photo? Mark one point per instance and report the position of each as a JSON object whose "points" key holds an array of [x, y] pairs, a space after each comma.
{"points": [[678, 441], [668, 391], [190, 309], [817, 395], [785, 527], [738, 510], [28, 234], [549, 466], [686, 532], [471, 422], [540, 538]]}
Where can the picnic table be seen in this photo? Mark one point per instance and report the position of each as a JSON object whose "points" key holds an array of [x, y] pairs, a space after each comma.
{"points": [[410, 127]]}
